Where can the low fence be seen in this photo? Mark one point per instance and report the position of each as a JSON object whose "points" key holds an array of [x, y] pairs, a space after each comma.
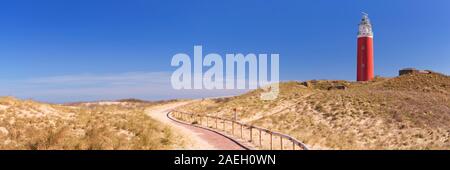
{"points": [[263, 138]]}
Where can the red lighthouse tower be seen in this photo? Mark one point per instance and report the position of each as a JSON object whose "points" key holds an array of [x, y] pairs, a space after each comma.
{"points": [[365, 50]]}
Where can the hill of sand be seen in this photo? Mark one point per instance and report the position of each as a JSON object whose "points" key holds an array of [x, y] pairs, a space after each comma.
{"points": [[26, 124], [406, 112]]}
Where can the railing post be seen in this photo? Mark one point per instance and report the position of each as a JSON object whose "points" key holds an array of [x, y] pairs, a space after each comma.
{"points": [[207, 121], [241, 131], [281, 142], [216, 122], [232, 128], [260, 142], [271, 141], [293, 145], [251, 134]]}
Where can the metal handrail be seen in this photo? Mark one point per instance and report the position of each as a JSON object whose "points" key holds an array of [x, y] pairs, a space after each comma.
{"points": [[294, 141]]}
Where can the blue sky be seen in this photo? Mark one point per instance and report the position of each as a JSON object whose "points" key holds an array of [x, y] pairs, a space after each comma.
{"points": [[72, 50]]}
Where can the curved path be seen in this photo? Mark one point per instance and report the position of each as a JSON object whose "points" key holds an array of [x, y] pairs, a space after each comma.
{"points": [[199, 138]]}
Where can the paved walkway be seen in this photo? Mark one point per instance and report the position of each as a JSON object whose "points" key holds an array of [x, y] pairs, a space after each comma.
{"points": [[200, 139]]}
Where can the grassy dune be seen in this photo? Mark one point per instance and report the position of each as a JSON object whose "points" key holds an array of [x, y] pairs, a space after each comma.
{"points": [[84, 126], [406, 112]]}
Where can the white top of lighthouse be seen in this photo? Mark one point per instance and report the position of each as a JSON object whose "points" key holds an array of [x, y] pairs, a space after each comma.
{"points": [[365, 27]]}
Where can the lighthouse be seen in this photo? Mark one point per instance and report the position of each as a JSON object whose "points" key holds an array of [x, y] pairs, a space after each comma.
{"points": [[365, 50]]}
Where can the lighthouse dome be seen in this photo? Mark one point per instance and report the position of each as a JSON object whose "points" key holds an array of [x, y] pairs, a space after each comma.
{"points": [[365, 27]]}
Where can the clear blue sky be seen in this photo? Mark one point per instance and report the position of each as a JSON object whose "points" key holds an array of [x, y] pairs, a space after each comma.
{"points": [[53, 50]]}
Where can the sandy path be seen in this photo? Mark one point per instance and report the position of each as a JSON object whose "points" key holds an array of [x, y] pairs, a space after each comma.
{"points": [[198, 138]]}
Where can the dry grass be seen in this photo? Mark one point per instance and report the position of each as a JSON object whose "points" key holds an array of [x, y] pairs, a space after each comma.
{"points": [[406, 112], [123, 125]]}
